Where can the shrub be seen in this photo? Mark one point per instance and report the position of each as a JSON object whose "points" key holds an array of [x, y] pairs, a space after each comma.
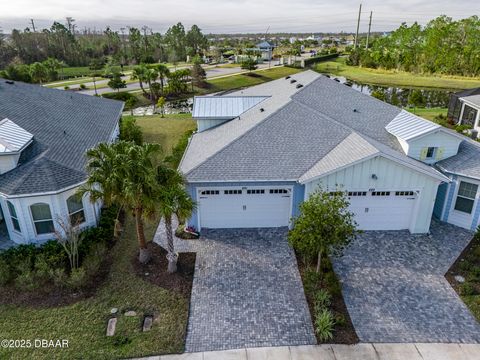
{"points": [[324, 324], [43, 269], [25, 279], [54, 254], [93, 260], [322, 300], [66, 87], [77, 278], [130, 131], [467, 289], [5, 272], [475, 273], [121, 96], [311, 281], [59, 277], [333, 284], [465, 265], [340, 320]]}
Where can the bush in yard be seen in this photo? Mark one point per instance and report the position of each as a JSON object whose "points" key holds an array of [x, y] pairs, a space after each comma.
{"points": [[25, 279], [311, 281], [77, 278], [324, 324], [324, 226], [467, 289], [130, 131], [322, 300], [5, 273]]}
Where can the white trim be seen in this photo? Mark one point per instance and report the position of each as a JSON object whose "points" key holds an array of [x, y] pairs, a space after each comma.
{"points": [[240, 181], [17, 196]]}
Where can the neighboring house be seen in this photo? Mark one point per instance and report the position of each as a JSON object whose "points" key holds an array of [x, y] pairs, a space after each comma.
{"points": [[261, 151], [266, 50], [44, 134], [464, 109]]}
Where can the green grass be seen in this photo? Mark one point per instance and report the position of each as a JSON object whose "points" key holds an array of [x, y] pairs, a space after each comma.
{"points": [[83, 324], [428, 113], [395, 78], [166, 131], [244, 80]]}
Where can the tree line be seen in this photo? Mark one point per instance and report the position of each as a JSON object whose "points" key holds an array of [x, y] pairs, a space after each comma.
{"points": [[442, 46], [129, 46]]}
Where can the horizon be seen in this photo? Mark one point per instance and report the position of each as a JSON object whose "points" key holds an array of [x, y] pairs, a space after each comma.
{"points": [[252, 17]]}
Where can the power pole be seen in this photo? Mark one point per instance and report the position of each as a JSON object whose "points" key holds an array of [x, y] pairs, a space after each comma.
{"points": [[33, 25], [369, 27], [358, 27]]}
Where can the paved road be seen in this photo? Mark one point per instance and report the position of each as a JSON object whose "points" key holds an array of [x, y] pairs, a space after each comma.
{"points": [[246, 291], [211, 71], [395, 290]]}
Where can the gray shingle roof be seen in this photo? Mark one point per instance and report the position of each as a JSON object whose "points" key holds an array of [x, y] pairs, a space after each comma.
{"points": [[315, 123], [466, 162], [64, 125]]}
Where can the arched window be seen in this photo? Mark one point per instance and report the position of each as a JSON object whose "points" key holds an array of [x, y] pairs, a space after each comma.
{"points": [[13, 216], [42, 218], [75, 210]]}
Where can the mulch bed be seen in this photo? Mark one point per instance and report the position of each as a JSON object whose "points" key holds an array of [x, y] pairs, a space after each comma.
{"points": [[179, 282], [343, 333], [456, 268], [49, 295]]}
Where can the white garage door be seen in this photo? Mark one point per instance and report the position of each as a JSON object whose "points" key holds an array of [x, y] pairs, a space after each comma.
{"points": [[242, 207], [383, 210]]}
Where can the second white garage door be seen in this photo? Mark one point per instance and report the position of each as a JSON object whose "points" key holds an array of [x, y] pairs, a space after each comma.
{"points": [[383, 210], [242, 207]]}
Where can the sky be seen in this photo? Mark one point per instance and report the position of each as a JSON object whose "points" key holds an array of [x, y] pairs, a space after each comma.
{"points": [[232, 16]]}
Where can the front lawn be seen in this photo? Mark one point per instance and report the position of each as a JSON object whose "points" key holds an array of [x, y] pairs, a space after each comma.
{"points": [[83, 323], [468, 267], [395, 78]]}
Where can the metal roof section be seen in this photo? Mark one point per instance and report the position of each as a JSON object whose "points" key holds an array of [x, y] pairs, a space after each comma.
{"points": [[223, 107], [205, 144], [407, 126], [472, 99], [13, 138], [352, 149]]}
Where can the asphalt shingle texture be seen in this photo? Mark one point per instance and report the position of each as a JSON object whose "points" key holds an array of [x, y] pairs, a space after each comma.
{"points": [[64, 125]]}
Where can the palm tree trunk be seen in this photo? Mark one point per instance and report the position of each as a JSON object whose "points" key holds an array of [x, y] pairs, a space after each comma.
{"points": [[319, 261], [144, 255], [171, 256], [143, 89]]}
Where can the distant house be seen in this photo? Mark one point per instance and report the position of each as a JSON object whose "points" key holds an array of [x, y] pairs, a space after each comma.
{"points": [[266, 50], [261, 151], [464, 109], [44, 134]]}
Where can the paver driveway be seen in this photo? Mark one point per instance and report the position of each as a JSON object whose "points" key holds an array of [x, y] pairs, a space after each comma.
{"points": [[395, 290], [247, 291]]}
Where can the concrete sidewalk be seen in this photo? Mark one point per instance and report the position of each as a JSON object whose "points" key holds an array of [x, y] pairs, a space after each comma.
{"points": [[362, 351]]}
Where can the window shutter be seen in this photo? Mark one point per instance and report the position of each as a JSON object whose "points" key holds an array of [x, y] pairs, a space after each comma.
{"points": [[423, 153], [439, 153]]}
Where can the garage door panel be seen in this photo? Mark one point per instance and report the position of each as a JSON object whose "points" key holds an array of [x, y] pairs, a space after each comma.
{"points": [[247, 210]]}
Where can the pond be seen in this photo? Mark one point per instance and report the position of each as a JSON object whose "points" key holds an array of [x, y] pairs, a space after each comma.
{"points": [[400, 96]]}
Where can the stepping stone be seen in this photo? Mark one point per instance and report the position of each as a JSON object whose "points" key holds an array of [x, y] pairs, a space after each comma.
{"points": [[147, 323], [112, 323], [130, 313], [113, 310], [459, 278]]}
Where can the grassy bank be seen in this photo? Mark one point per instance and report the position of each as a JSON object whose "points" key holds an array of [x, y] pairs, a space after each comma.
{"points": [[428, 113], [83, 323], [395, 78], [245, 80]]}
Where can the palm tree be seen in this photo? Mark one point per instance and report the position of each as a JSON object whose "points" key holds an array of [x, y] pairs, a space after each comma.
{"points": [[139, 73], [173, 200], [163, 72], [123, 173]]}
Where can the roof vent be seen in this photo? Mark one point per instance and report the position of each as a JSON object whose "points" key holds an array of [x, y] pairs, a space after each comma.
{"points": [[262, 109], [299, 86], [287, 77], [328, 76], [293, 81], [355, 110], [348, 83], [10, 82], [336, 80]]}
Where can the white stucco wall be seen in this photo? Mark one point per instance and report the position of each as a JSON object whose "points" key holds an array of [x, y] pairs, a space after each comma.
{"points": [[58, 208], [391, 176]]}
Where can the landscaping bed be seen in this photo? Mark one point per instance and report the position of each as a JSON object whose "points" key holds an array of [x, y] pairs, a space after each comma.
{"points": [[315, 287], [156, 273], [468, 267]]}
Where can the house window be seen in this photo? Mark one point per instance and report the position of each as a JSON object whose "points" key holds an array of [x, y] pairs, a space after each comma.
{"points": [[13, 216], [278, 191], [42, 218], [233, 192], [404, 193], [381, 193], [75, 210], [255, 191], [357, 193], [430, 152], [466, 197], [210, 192]]}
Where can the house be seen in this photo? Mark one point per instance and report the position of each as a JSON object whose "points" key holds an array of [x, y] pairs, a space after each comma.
{"points": [[464, 109], [261, 151], [44, 134], [266, 50]]}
